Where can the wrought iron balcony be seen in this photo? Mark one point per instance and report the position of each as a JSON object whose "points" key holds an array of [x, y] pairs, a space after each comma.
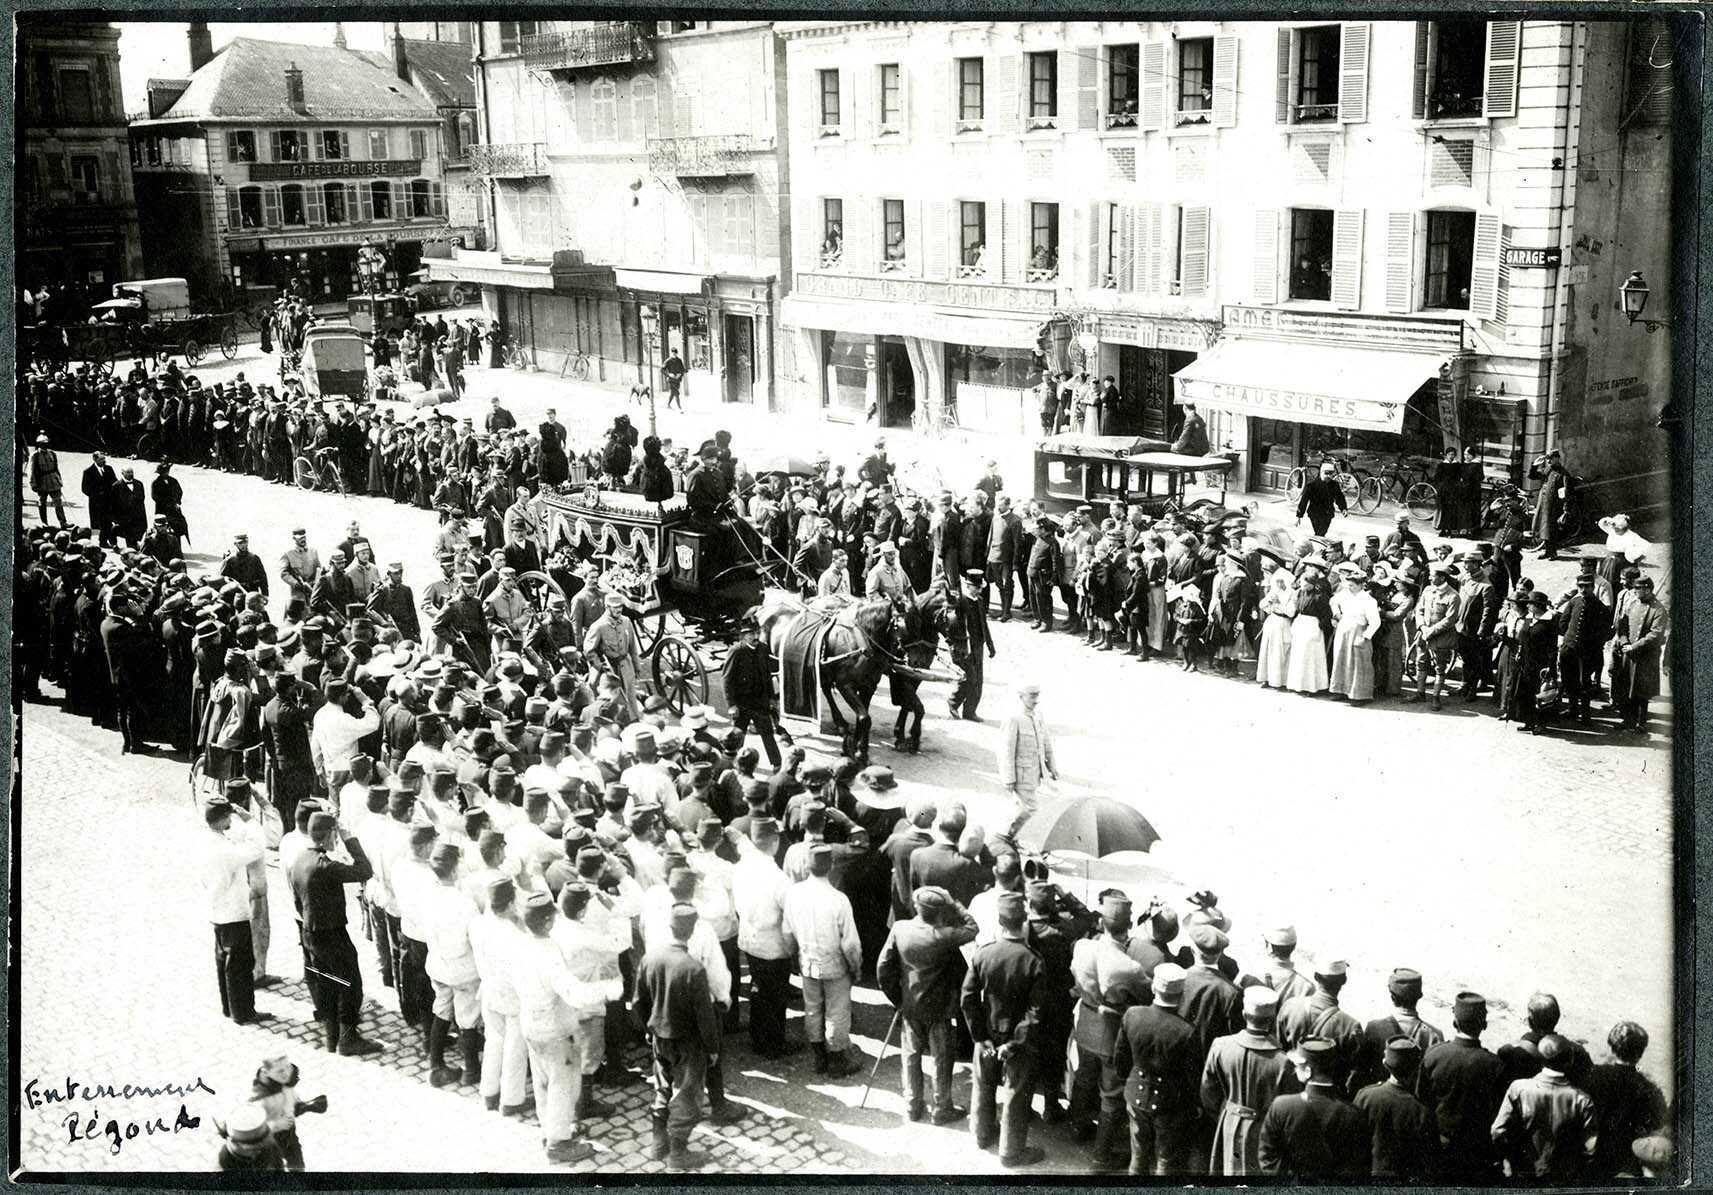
{"points": [[596, 47], [520, 159], [709, 156]]}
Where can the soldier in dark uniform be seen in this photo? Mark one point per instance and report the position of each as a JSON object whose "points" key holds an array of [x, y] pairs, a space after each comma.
{"points": [[747, 680], [464, 624], [318, 882], [127, 660], [245, 567], [1056, 922], [285, 731], [972, 612], [1464, 1084], [1314, 1135], [398, 724], [674, 1004], [1158, 1048], [1002, 998], [1320, 1016], [1405, 1140], [1405, 988], [393, 598], [918, 972]]}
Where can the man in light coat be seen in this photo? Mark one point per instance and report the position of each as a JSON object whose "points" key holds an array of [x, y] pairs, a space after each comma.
{"points": [[1026, 752]]}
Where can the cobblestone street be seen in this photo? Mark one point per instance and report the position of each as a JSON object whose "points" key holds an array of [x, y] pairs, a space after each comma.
{"points": [[1388, 835]]}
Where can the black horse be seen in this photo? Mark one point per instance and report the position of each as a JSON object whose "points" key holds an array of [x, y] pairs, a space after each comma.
{"points": [[924, 619], [858, 647]]}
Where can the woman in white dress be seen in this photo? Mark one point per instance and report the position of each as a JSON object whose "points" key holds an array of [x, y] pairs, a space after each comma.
{"points": [[1358, 618], [1306, 671], [1279, 606]]}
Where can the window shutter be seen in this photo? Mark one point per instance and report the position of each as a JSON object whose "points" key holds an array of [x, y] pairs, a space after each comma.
{"points": [[401, 200], [583, 105], [1094, 242], [1282, 88], [437, 199], [1224, 82], [1264, 276], [1353, 72], [904, 99], [1400, 261], [234, 214], [1001, 253], [1020, 232], [1347, 258], [623, 104], [936, 240], [273, 145], [1069, 116], [1504, 54], [1418, 96], [104, 108], [1155, 214], [713, 215], [1502, 294], [1484, 270], [1127, 269], [1003, 107], [312, 209], [1151, 115], [271, 206], [1192, 252], [345, 146], [851, 124], [352, 206], [1088, 86], [914, 257], [365, 203], [937, 116]]}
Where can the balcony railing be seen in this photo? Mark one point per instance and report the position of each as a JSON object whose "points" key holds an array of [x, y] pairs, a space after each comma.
{"points": [[710, 156], [615, 43], [521, 159], [1041, 274], [895, 265]]}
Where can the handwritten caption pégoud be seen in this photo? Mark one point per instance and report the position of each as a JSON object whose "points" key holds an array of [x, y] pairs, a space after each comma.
{"points": [[84, 1121]]}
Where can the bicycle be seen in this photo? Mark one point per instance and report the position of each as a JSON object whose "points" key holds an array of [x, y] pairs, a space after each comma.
{"points": [[513, 357], [318, 470], [578, 364], [936, 421], [1348, 481], [1400, 482]]}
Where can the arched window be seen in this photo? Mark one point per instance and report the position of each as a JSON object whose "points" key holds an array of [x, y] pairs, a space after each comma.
{"points": [[421, 199], [333, 198], [292, 209]]}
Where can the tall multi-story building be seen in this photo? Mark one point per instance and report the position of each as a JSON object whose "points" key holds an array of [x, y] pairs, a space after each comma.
{"points": [[635, 174], [75, 213], [278, 162], [1330, 236], [436, 57]]}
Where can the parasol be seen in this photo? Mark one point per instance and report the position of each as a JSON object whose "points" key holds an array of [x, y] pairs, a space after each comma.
{"points": [[781, 462], [1096, 826]]}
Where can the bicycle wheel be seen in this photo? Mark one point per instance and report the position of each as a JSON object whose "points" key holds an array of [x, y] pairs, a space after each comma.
{"points": [[1368, 495], [1295, 482], [580, 368], [304, 471], [198, 780], [1422, 500], [1350, 486], [331, 479]]}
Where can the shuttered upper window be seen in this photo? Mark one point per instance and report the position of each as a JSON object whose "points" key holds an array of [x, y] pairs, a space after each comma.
{"points": [[1311, 254], [1450, 259]]}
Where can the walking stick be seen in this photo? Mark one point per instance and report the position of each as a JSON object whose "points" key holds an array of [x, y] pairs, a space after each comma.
{"points": [[885, 1042]]}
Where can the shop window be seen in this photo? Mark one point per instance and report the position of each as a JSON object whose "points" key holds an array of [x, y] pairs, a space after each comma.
{"points": [[892, 235], [381, 199], [1450, 258], [512, 35], [1311, 254], [1010, 369], [1043, 89], [241, 146], [891, 92], [698, 352], [292, 209], [972, 239], [850, 358], [1317, 74], [421, 199], [829, 84], [1123, 71], [377, 145], [333, 201], [1043, 243], [972, 87], [1195, 80], [335, 145], [76, 99], [1456, 68], [85, 178], [250, 207], [832, 232]]}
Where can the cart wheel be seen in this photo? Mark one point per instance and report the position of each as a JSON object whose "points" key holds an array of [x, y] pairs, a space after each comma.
{"points": [[649, 634], [104, 367], [537, 587], [304, 470], [456, 296], [1422, 500], [679, 676], [228, 342], [1368, 495], [192, 352]]}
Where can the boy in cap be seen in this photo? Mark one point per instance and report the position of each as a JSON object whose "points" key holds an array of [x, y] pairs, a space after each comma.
{"points": [[1001, 1001], [1405, 1140], [248, 1142], [1242, 1075], [1315, 1135]]}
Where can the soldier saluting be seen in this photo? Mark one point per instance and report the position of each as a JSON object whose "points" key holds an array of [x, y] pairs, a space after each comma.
{"points": [[318, 879]]}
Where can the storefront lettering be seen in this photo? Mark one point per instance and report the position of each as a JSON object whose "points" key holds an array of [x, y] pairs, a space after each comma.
{"points": [[319, 240], [1147, 333], [388, 168], [1285, 323], [1611, 384], [909, 290]]}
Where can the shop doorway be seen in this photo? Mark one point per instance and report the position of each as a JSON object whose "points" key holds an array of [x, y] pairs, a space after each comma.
{"points": [[740, 358], [897, 384]]}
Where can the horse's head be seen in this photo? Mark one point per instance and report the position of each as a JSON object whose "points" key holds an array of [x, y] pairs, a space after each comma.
{"points": [[922, 624], [875, 618]]}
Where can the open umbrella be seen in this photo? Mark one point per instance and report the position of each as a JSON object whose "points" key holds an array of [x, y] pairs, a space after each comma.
{"points": [[783, 461], [1096, 826]]}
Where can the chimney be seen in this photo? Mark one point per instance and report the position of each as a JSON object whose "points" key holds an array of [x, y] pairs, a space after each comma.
{"points": [[294, 87], [201, 45], [401, 64], [339, 35]]}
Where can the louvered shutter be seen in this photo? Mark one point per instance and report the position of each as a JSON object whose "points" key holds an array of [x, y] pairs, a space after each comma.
{"points": [[1070, 117], [1400, 261], [1282, 82], [1003, 70], [1193, 251], [104, 107], [401, 200], [1504, 55], [271, 206], [1088, 86], [234, 212], [851, 124], [937, 120], [860, 256], [1021, 232], [1096, 232], [1502, 293], [1353, 72], [904, 99], [1155, 217], [437, 199], [365, 203], [1225, 82], [915, 259], [583, 104], [1347, 258], [1264, 276], [312, 207], [1127, 271], [805, 237], [713, 216], [1001, 252], [1151, 115], [1484, 270], [352, 204], [626, 126], [273, 145], [936, 240], [1419, 89]]}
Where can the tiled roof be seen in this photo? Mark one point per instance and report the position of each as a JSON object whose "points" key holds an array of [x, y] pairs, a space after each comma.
{"points": [[246, 81], [443, 69]]}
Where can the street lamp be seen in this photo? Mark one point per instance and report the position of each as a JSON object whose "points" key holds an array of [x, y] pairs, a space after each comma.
{"points": [[1633, 298], [650, 321]]}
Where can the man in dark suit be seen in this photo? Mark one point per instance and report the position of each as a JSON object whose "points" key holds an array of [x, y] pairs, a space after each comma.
{"points": [[1315, 1135], [1212, 1002], [1405, 1142], [333, 589], [907, 838], [285, 731], [1477, 612], [318, 886], [1537, 653], [939, 864], [919, 972], [1002, 559], [1055, 926], [99, 481], [972, 612], [1405, 987], [393, 598], [674, 1005], [1159, 1049], [1320, 498], [1585, 623], [1002, 998], [1463, 1084], [747, 680]]}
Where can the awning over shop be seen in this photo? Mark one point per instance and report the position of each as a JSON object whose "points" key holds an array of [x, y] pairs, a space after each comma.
{"points": [[910, 319], [490, 273], [665, 282], [1307, 383]]}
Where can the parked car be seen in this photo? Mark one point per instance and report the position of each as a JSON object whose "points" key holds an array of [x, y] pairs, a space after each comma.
{"points": [[438, 292]]}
